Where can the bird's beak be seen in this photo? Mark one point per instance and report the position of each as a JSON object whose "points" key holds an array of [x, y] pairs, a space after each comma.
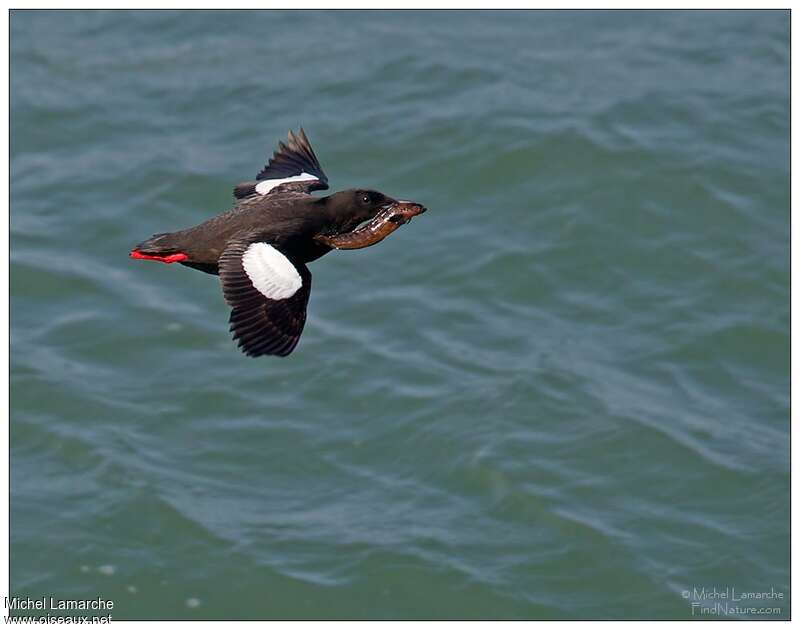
{"points": [[403, 211]]}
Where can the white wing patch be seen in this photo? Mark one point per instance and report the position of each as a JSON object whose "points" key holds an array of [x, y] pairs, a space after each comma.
{"points": [[263, 187], [272, 274]]}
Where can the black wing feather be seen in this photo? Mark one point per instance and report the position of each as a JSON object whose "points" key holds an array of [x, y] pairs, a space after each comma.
{"points": [[261, 325], [289, 160], [293, 159]]}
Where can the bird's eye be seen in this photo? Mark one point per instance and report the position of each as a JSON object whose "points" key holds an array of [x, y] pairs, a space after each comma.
{"points": [[365, 199]]}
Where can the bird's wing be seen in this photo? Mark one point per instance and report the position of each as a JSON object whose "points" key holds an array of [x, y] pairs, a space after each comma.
{"points": [[268, 293], [292, 168]]}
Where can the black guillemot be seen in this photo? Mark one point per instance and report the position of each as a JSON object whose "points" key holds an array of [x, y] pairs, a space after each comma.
{"points": [[260, 247]]}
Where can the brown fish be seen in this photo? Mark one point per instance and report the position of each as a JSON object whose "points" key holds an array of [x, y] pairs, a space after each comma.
{"points": [[378, 228]]}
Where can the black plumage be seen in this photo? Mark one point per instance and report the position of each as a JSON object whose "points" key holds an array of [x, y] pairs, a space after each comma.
{"points": [[260, 247]]}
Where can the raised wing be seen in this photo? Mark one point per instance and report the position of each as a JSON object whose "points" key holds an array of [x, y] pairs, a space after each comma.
{"points": [[268, 293], [293, 167]]}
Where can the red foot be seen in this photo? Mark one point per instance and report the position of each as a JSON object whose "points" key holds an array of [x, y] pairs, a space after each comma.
{"points": [[172, 258]]}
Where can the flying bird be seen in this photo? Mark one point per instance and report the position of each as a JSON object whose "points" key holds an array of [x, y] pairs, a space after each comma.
{"points": [[260, 247]]}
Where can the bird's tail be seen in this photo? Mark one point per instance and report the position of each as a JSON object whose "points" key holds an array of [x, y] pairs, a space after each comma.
{"points": [[160, 247]]}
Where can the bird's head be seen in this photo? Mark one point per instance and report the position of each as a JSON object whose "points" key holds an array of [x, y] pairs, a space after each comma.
{"points": [[349, 208], [379, 214]]}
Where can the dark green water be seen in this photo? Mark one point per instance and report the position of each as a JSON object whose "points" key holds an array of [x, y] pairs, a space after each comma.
{"points": [[561, 393]]}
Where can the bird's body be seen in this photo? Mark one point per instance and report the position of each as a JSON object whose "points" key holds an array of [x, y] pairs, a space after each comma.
{"points": [[260, 247], [287, 221]]}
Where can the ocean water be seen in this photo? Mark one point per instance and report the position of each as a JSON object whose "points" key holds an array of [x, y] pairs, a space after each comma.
{"points": [[562, 393]]}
